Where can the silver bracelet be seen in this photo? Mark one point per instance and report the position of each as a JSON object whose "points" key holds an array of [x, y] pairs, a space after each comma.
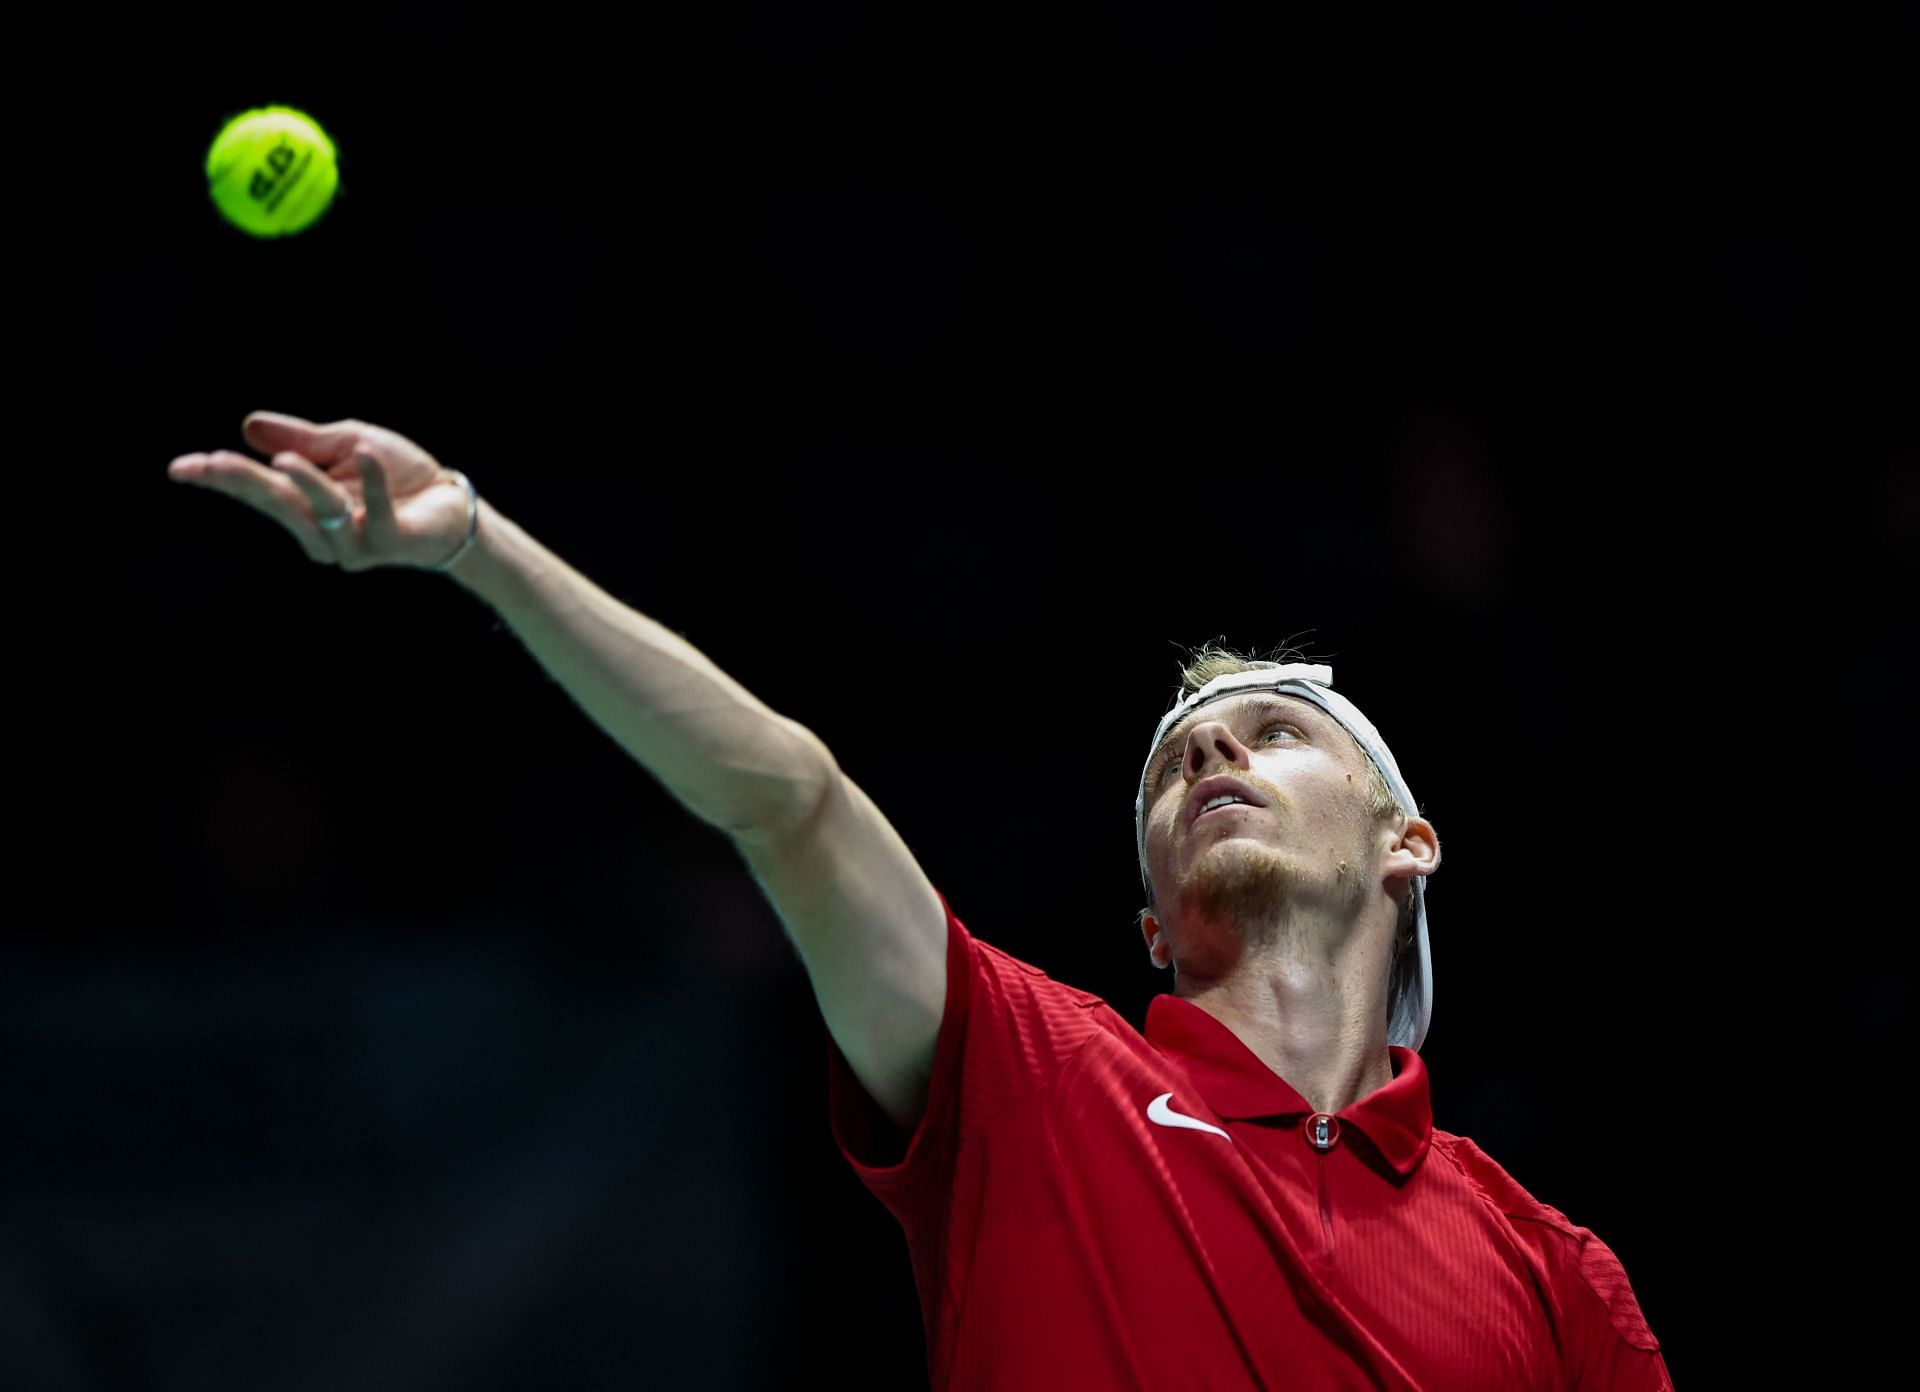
{"points": [[473, 523]]}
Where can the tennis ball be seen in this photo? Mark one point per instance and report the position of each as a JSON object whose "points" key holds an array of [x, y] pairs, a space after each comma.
{"points": [[272, 171]]}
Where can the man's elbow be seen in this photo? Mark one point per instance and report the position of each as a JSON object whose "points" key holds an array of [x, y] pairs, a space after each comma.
{"points": [[792, 801]]}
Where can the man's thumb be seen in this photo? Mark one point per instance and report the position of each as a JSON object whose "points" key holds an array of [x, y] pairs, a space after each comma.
{"points": [[270, 432]]}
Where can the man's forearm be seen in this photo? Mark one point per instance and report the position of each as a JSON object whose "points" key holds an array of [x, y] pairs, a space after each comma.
{"points": [[730, 760]]}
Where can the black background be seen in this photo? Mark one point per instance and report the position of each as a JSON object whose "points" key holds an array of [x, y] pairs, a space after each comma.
{"points": [[945, 374]]}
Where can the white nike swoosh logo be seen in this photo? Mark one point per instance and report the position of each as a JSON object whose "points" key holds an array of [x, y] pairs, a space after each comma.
{"points": [[1158, 1110]]}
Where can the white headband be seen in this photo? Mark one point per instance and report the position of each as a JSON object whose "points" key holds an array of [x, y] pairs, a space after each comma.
{"points": [[1411, 1010]]}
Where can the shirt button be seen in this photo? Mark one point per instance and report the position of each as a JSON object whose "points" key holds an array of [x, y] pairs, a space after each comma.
{"points": [[1323, 1130]]}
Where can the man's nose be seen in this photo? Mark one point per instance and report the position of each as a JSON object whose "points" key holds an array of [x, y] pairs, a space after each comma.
{"points": [[1212, 742]]}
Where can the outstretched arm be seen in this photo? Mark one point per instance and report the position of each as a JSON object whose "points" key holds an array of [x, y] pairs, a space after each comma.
{"points": [[865, 919], [855, 903], [730, 760]]}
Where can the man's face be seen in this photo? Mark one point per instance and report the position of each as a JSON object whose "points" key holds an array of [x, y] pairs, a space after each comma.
{"points": [[1309, 843]]}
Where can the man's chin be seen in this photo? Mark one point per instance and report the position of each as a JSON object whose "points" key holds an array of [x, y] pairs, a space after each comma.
{"points": [[1236, 881]]}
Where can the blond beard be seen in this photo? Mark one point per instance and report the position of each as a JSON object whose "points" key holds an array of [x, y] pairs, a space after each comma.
{"points": [[1252, 887]]}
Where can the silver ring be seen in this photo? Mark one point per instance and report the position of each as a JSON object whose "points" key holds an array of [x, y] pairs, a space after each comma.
{"points": [[334, 524]]}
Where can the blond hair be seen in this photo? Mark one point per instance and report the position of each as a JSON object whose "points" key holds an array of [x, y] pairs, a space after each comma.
{"points": [[1215, 661]]}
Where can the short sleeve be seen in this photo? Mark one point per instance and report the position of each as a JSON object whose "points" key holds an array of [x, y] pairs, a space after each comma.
{"points": [[1605, 1341], [1005, 1031], [1608, 1343]]}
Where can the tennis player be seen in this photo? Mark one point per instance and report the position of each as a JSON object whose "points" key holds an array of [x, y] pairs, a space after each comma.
{"points": [[1247, 1193]]}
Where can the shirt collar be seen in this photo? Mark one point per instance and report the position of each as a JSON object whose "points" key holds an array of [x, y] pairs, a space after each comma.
{"points": [[1396, 1118]]}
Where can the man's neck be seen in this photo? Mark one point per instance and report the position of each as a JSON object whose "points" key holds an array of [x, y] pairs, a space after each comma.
{"points": [[1315, 1030]]}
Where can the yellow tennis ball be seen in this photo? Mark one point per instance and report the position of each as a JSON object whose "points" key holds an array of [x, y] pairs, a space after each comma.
{"points": [[272, 171]]}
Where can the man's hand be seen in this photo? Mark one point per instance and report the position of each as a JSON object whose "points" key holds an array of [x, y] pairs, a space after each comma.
{"points": [[403, 508]]}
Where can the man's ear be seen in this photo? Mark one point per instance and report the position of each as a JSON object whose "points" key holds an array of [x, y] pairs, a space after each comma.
{"points": [[1150, 930], [1415, 851]]}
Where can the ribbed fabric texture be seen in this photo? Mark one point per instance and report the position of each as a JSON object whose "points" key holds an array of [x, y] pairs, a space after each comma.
{"points": [[1088, 1206]]}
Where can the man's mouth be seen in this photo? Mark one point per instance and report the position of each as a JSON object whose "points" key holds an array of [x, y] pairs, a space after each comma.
{"points": [[1220, 792], [1226, 802]]}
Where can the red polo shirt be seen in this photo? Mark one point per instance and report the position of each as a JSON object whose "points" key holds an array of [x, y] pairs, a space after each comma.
{"points": [[1086, 1208]]}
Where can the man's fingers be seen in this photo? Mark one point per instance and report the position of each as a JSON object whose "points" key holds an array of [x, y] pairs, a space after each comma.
{"points": [[264, 490], [378, 521], [270, 432], [327, 498], [329, 503]]}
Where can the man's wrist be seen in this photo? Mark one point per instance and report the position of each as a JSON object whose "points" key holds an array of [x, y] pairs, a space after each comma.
{"points": [[486, 569]]}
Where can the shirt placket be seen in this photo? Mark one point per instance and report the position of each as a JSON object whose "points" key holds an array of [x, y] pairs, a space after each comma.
{"points": [[1322, 1134]]}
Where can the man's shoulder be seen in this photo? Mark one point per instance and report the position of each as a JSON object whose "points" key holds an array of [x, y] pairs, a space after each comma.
{"points": [[1576, 1254], [999, 962], [1499, 1188], [1044, 1019]]}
